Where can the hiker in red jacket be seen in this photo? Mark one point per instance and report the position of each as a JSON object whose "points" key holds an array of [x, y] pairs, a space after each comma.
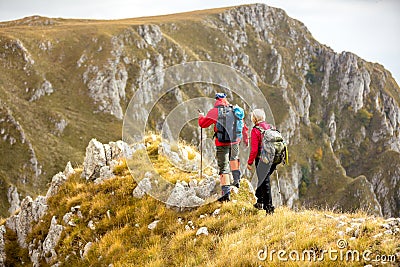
{"points": [[227, 153], [263, 170]]}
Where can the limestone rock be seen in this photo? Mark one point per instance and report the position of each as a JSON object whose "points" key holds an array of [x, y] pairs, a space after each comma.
{"points": [[107, 83], [91, 225], [105, 174], [120, 149], [45, 89], [67, 219], [18, 45], [51, 240], [206, 187], [100, 159], [151, 34], [2, 245], [183, 197], [95, 159], [153, 225], [216, 212], [13, 199], [202, 231], [35, 253], [142, 188], [56, 182], [68, 171], [354, 82], [86, 250], [31, 211]]}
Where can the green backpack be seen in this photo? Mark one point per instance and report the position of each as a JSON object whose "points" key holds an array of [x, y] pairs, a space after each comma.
{"points": [[273, 147]]}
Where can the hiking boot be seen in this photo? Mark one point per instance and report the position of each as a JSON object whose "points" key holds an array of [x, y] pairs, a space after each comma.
{"points": [[258, 206], [225, 198], [269, 209]]}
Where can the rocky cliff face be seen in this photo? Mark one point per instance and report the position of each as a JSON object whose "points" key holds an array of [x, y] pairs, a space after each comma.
{"points": [[339, 113]]}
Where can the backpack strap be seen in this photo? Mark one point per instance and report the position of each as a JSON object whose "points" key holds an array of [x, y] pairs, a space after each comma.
{"points": [[259, 128]]}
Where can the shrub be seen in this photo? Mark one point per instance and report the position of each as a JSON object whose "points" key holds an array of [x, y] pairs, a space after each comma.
{"points": [[318, 154], [364, 116]]}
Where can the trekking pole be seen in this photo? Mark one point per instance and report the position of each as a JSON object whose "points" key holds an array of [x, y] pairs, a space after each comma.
{"points": [[201, 151], [279, 188]]}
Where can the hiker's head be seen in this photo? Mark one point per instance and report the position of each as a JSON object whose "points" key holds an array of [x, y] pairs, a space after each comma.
{"points": [[220, 95], [257, 116]]}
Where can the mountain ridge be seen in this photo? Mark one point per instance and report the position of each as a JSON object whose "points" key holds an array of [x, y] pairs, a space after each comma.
{"points": [[69, 77]]}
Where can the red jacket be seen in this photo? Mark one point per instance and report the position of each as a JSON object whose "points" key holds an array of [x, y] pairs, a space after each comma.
{"points": [[256, 138], [212, 117]]}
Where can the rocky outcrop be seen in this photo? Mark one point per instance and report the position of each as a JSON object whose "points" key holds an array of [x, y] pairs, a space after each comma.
{"points": [[2, 246], [21, 223], [51, 240], [183, 196], [45, 89], [143, 187], [101, 159], [16, 46], [13, 199], [46, 249], [151, 34], [32, 210], [288, 185], [194, 194], [95, 159], [390, 123], [107, 83]]}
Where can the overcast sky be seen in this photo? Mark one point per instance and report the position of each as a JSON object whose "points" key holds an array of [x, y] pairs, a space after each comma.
{"points": [[368, 28]]}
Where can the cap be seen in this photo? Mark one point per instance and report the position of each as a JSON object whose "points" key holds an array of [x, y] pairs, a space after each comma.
{"points": [[220, 95]]}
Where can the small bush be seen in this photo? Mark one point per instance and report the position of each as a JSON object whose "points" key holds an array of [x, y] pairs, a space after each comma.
{"points": [[318, 154], [364, 116]]}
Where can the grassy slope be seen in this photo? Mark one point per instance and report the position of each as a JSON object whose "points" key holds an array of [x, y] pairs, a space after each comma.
{"points": [[235, 237]]}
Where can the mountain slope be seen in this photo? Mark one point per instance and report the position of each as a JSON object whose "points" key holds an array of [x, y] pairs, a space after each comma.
{"points": [[64, 82], [88, 223]]}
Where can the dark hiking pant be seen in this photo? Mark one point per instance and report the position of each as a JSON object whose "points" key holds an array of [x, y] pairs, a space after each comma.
{"points": [[263, 191]]}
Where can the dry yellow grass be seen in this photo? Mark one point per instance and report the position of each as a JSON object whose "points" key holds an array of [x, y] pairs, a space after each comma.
{"points": [[238, 236]]}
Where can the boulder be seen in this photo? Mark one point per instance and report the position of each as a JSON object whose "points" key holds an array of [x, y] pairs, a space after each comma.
{"points": [[142, 188], [100, 159], [183, 196], [95, 159], [56, 182], [202, 231]]}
